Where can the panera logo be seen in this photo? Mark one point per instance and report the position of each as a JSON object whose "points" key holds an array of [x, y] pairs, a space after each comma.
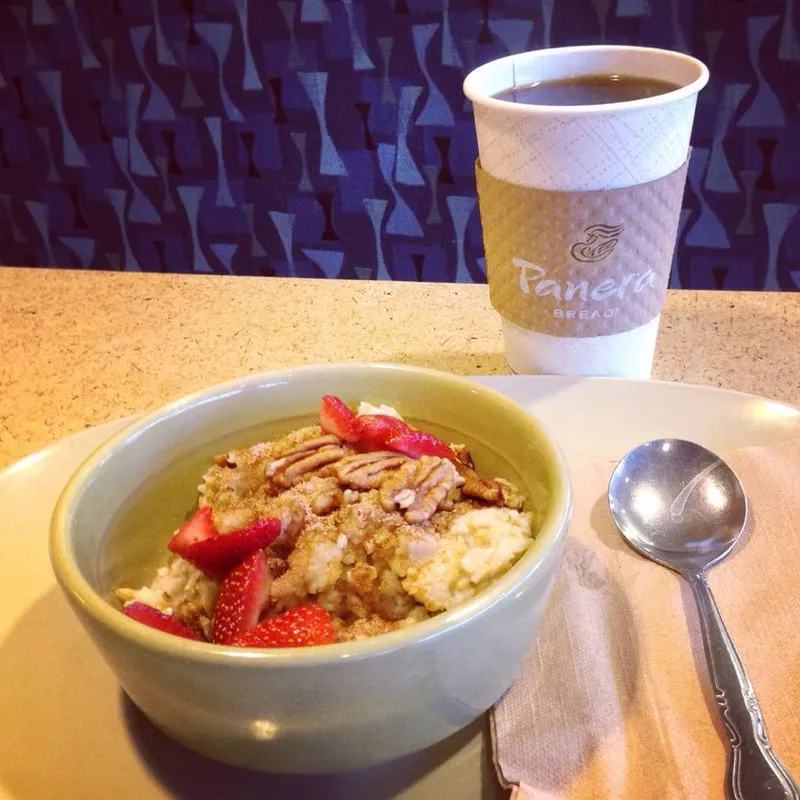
{"points": [[534, 279], [600, 241]]}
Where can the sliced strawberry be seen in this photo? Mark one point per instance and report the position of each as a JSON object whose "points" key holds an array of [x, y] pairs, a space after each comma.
{"points": [[336, 418], [218, 555], [154, 618], [420, 443], [297, 627], [240, 598], [375, 431], [199, 527]]}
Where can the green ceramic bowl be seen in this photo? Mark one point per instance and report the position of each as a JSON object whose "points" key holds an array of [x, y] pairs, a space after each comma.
{"points": [[317, 709]]}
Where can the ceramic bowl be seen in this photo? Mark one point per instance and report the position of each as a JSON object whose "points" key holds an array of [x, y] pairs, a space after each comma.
{"points": [[315, 709]]}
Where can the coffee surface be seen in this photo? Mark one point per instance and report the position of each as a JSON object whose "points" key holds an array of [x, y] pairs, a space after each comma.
{"points": [[587, 90]]}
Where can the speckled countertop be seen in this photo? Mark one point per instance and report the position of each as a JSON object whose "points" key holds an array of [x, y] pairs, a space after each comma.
{"points": [[80, 348]]}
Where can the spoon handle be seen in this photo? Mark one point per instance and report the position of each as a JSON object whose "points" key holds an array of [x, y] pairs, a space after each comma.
{"points": [[754, 771]]}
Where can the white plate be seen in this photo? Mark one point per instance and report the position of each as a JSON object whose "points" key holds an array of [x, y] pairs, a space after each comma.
{"points": [[66, 729]]}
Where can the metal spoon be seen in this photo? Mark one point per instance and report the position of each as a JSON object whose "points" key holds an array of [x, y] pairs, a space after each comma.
{"points": [[682, 506]]}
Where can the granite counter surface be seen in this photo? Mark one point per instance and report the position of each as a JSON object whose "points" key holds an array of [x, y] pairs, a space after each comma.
{"points": [[80, 348]]}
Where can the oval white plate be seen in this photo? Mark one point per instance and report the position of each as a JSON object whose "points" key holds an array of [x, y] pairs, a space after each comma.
{"points": [[68, 731]]}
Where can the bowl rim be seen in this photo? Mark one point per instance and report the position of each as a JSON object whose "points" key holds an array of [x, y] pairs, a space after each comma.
{"points": [[81, 593]]}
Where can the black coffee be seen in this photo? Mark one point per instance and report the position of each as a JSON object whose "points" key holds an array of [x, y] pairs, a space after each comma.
{"points": [[587, 90]]}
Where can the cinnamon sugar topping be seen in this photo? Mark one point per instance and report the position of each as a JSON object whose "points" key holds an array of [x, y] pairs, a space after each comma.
{"points": [[369, 536]]}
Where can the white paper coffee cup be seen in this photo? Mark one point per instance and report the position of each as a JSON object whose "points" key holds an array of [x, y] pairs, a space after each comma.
{"points": [[584, 148]]}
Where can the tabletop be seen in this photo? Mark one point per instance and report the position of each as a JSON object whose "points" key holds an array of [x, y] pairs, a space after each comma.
{"points": [[78, 348]]}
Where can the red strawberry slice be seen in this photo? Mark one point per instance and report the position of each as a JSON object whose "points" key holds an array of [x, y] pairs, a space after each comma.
{"points": [[336, 418], [420, 443], [298, 627], [240, 598], [376, 431], [154, 618], [199, 527], [218, 555]]}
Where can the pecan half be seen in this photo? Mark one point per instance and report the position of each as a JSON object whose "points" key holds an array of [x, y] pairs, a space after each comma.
{"points": [[473, 485], [299, 452], [304, 459], [367, 470], [295, 472], [461, 452], [484, 489], [323, 502], [419, 487]]}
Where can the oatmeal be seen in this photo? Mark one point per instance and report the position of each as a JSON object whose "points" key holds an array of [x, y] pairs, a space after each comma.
{"points": [[357, 526]]}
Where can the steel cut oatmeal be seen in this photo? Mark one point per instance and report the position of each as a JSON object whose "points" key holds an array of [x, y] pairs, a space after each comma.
{"points": [[334, 532]]}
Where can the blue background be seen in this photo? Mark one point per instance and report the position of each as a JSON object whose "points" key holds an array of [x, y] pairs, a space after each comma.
{"points": [[330, 138]]}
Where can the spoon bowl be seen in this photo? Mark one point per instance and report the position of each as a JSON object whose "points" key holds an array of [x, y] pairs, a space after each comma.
{"points": [[678, 504]]}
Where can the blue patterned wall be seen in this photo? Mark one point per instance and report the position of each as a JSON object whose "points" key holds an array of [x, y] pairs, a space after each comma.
{"points": [[330, 137]]}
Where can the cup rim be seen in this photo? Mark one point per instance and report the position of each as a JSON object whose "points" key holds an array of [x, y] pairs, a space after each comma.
{"points": [[526, 109], [81, 593]]}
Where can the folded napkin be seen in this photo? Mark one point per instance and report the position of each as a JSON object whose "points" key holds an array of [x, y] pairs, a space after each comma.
{"points": [[614, 700]]}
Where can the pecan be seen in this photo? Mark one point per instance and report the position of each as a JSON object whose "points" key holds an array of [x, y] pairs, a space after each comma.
{"points": [[473, 485], [419, 487], [484, 489], [295, 472], [303, 459], [405, 498], [326, 501], [299, 452], [367, 470], [462, 455]]}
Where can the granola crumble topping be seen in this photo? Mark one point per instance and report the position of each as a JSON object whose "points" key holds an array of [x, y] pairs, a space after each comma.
{"points": [[379, 539]]}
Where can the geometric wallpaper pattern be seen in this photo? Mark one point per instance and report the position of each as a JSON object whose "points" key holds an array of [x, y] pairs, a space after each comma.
{"points": [[331, 138]]}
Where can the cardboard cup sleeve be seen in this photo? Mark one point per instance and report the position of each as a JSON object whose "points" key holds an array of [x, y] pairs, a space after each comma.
{"points": [[579, 264]]}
